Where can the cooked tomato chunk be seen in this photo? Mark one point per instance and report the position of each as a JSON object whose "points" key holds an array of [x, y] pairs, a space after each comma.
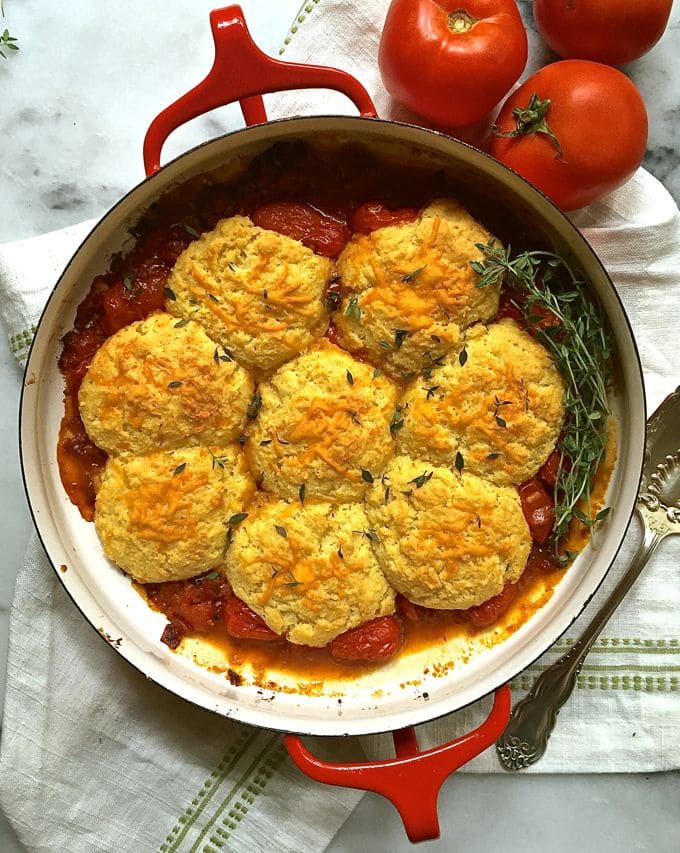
{"points": [[193, 605], [538, 509], [324, 234], [372, 215], [378, 639], [488, 612], [551, 468], [244, 624]]}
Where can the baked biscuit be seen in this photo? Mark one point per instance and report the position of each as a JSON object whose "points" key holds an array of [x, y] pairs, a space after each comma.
{"points": [[323, 427], [258, 293], [498, 408], [444, 539], [409, 288], [309, 571], [165, 516], [161, 383]]}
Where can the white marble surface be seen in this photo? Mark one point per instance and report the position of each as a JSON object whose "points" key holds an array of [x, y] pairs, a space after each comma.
{"points": [[76, 100]]}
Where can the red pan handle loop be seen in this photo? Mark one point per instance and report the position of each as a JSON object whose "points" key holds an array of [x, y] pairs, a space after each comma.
{"points": [[242, 72], [412, 780]]}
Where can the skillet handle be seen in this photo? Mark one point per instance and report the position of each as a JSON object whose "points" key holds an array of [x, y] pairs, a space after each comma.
{"points": [[242, 72], [412, 780]]}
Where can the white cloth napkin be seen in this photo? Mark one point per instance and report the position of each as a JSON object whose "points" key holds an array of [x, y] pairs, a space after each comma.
{"points": [[93, 757]]}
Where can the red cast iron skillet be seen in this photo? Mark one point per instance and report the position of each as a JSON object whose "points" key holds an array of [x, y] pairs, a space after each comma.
{"points": [[411, 780]]}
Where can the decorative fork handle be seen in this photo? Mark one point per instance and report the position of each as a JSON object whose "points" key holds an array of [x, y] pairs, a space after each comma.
{"points": [[533, 718]]}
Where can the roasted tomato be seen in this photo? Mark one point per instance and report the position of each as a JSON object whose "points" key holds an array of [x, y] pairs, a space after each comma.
{"points": [[191, 606], [410, 612], [324, 234], [376, 640], [541, 317], [550, 468], [197, 602], [244, 624], [541, 560], [611, 31], [134, 298], [487, 613], [80, 345], [538, 509], [372, 215], [451, 61], [80, 463], [575, 130]]}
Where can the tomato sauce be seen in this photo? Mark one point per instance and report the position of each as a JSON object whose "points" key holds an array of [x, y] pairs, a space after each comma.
{"points": [[286, 189], [419, 627]]}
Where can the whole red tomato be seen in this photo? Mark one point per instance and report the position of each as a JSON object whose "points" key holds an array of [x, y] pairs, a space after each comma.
{"points": [[451, 61], [611, 31], [575, 130]]}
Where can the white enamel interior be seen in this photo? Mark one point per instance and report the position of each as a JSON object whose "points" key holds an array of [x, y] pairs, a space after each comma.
{"points": [[370, 703]]}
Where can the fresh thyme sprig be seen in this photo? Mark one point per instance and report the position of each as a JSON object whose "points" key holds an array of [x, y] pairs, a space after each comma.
{"points": [[7, 42], [581, 349]]}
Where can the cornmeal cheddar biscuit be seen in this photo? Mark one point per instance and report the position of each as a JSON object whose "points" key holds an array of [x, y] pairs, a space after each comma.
{"points": [[498, 408], [444, 539], [159, 384], [258, 293], [323, 427], [409, 288], [309, 571], [165, 516]]}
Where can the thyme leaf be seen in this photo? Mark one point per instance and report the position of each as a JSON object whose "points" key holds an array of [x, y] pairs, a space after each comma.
{"points": [[353, 309], [421, 479], [399, 336], [254, 406], [397, 421], [7, 42], [412, 276], [237, 518]]}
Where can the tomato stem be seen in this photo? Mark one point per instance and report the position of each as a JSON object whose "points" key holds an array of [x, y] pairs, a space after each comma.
{"points": [[460, 21], [532, 119]]}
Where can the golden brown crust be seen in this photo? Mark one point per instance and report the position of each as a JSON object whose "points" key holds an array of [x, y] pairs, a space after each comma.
{"points": [[324, 423], [164, 516]]}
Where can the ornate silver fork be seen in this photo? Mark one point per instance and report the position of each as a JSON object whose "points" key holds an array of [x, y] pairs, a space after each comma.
{"points": [[526, 736]]}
